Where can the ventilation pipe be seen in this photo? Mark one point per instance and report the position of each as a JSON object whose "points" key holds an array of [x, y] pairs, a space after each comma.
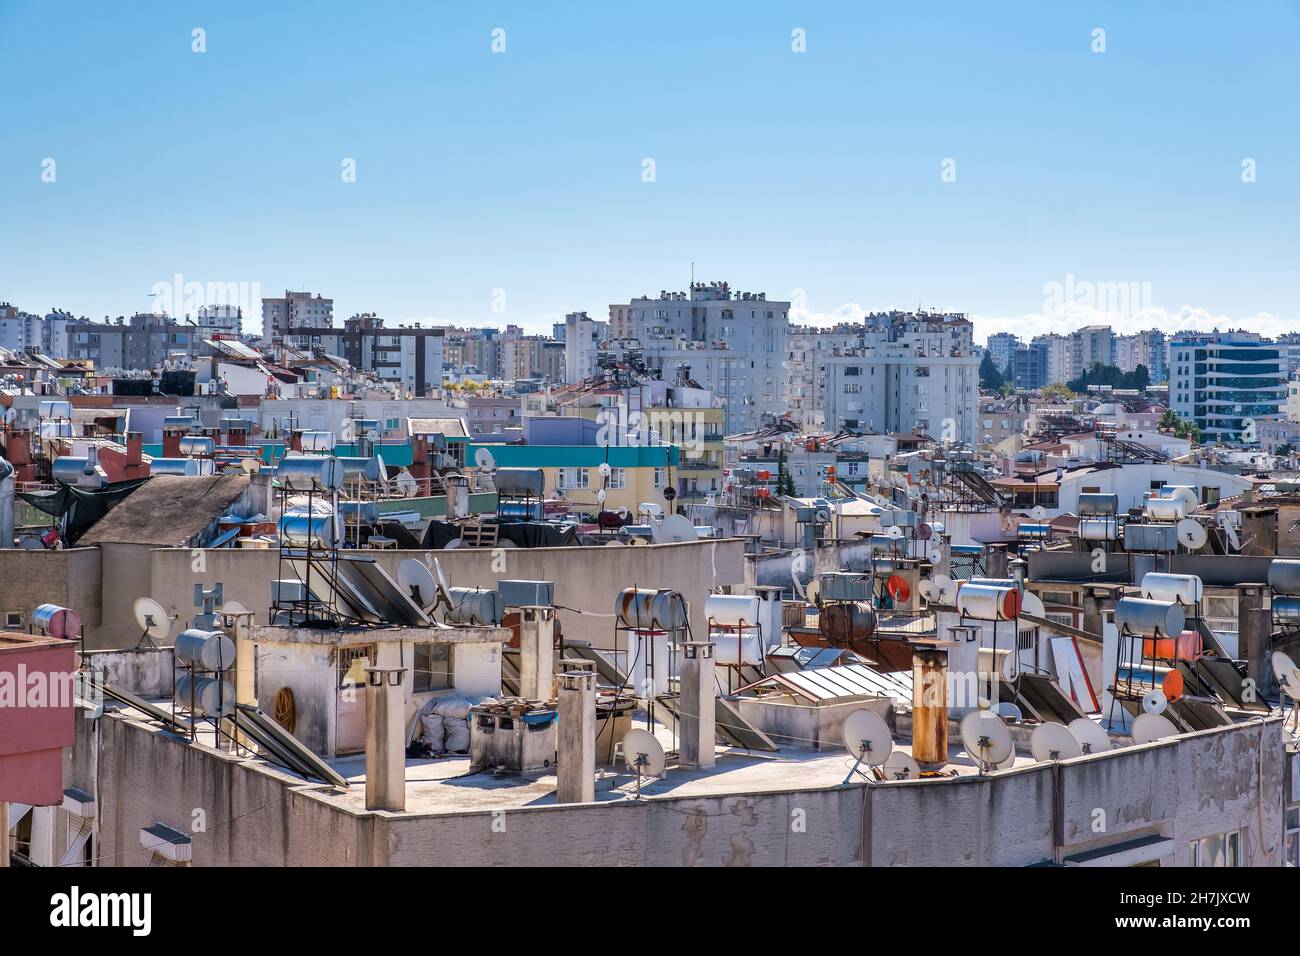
{"points": [[385, 739], [699, 690], [930, 705], [576, 750], [536, 652]]}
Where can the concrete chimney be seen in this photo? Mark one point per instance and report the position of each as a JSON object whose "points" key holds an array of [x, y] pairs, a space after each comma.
{"points": [[930, 705], [1255, 629], [385, 739], [536, 652], [995, 560], [699, 690], [576, 748]]}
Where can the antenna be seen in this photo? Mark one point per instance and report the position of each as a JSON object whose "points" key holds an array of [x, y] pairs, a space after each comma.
{"points": [[1054, 742], [1092, 739], [867, 738], [644, 755], [986, 738], [1149, 727], [155, 623]]}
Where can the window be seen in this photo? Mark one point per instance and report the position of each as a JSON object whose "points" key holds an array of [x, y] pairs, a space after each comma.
{"points": [[853, 370], [432, 667], [661, 477], [618, 478], [1220, 850], [573, 478]]}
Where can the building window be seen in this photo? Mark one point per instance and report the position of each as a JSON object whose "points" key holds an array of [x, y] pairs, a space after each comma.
{"points": [[1221, 850], [661, 477], [573, 478], [618, 478], [432, 667]]}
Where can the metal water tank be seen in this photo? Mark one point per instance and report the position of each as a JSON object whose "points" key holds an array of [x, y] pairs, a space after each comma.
{"points": [[1147, 618], [1097, 504], [1185, 589], [475, 606], [208, 696], [729, 610], [647, 609], [206, 650], [310, 473], [988, 602], [1284, 576], [520, 481]]}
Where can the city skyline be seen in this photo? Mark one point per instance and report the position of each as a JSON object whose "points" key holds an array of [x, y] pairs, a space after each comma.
{"points": [[1067, 161]]}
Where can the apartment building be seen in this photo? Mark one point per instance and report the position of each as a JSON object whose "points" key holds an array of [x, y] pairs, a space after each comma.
{"points": [[1224, 382], [408, 355], [145, 341], [295, 310]]}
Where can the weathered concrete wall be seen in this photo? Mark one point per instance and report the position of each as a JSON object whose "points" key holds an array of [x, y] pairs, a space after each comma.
{"points": [[148, 672], [69, 578]]}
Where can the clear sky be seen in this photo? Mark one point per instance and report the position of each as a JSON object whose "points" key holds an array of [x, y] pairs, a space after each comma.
{"points": [[778, 171]]}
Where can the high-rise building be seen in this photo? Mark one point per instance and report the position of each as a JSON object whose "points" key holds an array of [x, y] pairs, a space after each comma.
{"points": [[295, 310], [1059, 358], [406, 355], [1089, 346], [581, 338], [1224, 382], [1029, 365], [1002, 347], [1143, 348], [220, 320]]}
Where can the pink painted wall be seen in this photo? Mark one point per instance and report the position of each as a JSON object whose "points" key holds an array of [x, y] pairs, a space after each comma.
{"points": [[34, 731]]}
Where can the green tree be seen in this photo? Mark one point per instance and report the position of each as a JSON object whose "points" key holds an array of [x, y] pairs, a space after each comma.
{"points": [[990, 377]]}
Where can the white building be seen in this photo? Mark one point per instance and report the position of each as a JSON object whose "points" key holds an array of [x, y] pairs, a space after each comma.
{"points": [[1001, 347], [20, 330], [1089, 346], [294, 310], [220, 320], [1060, 360], [1148, 349], [1223, 382], [735, 343], [581, 338]]}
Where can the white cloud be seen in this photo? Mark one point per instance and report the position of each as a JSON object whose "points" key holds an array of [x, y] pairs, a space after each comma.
{"points": [[1076, 315]]}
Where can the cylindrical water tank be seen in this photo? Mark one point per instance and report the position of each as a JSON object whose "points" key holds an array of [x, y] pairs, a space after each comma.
{"points": [[57, 621], [521, 510], [735, 647], [987, 602], [69, 469], [1284, 576], [475, 606], [365, 512], [206, 650], [1027, 530], [847, 621], [647, 609], [309, 473], [197, 445], [520, 481], [205, 695], [317, 441], [1098, 529], [1183, 589], [174, 466], [731, 609], [303, 530], [1286, 609], [1148, 618], [1097, 504], [360, 469], [1167, 509], [995, 582]]}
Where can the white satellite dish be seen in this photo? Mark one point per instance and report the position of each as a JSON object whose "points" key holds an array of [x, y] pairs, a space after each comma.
{"points": [[1006, 709], [1288, 677], [637, 541], [1154, 702], [155, 623], [986, 738], [1151, 727], [867, 738], [1092, 739], [1032, 604], [233, 607], [1233, 541], [417, 581], [901, 766], [1053, 742], [1038, 513], [251, 466], [604, 469], [600, 496], [1191, 534], [936, 556], [484, 460], [945, 589], [894, 531], [644, 755], [676, 528], [927, 590]]}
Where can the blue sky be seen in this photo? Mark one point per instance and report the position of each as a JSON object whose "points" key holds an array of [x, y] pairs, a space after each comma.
{"points": [[777, 171]]}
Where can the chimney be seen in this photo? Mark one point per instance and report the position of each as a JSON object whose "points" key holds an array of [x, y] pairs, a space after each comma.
{"points": [[698, 692], [295, 440], [995, 560], [172, 443], [576, 756], [1255, 624], [536, 652], [385, 739], [930, 705]]}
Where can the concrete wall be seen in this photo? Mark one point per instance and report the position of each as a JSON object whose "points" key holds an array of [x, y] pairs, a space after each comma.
{"points": [[68, 578], [1184, 789]]}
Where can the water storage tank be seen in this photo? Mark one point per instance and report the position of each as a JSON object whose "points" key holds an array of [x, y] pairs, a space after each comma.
{"points": [[1098, 529], [364, 512], [647, 609], [1027, 530], [205, 695], [174, 466], [1286, 609], [849, 621], [475, 606], [520, 481], [729, 610], [317, 441], [1284, 576], [736, 647], [309, 473], [1147, 618], [197, 445], [302, 530], [1183, 589], [361, 469], [1167, 509], [988, 602], [1150, 537], [56, 621], [1097, 504], [69, 469], [206, 650]]}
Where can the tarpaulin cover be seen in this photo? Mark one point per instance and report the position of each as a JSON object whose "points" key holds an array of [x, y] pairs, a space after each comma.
{"points": [[79, 507], [523, 534]]}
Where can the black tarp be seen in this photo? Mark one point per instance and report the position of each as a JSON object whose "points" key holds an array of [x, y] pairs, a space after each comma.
{"points": [[523, 534], [79, 507]]}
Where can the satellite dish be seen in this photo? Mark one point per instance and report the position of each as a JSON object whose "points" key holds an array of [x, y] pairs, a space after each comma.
{"points": [[1053, 742], [1006, 709], [155, 623], [676, 528], [894, 531], [637, 541], [936, 556], [250, 466], [454, 543], [233, 607], [600, 496], [901, 766], [1284, 669], [417, 580], [1092, 739], [1038, 513], [897, 587], [644, 755], [605, 469], [927, 590], [1154, 702], [1031, 603], [924, 531], [484, 460], [867, 737], [945, 589], [986, 738], [1191, 534], [1151, 727], [613, 541]]}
